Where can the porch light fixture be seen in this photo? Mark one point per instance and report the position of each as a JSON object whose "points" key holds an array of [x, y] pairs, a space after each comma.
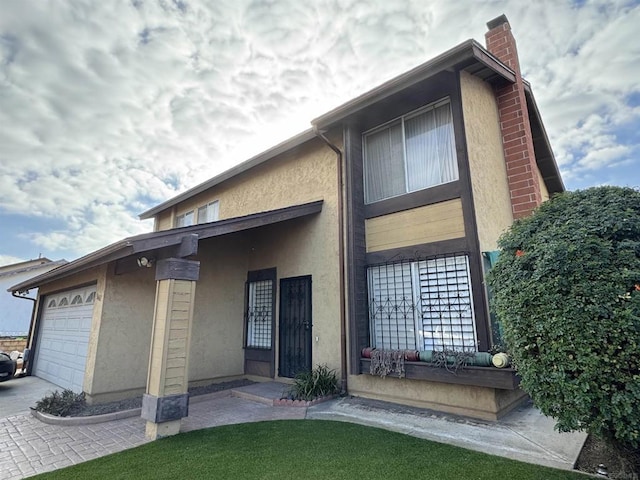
{"points": [[145, 262]]}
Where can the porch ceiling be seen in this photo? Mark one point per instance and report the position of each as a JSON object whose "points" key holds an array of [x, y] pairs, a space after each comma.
{"points": [[169, 240]]}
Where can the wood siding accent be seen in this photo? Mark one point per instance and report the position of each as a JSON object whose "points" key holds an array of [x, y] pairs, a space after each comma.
{"points": [[169, 362], [430, 223]]}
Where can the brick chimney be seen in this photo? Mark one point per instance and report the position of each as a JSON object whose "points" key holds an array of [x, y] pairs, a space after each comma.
{"points": [[517, 140]]}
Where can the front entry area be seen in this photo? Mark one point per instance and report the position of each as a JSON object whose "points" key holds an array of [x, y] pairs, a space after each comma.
{"points": [[295, 326]]}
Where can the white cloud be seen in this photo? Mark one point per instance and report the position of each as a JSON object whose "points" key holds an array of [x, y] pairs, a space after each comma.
{"points": [[10, 260], [108, 107]]}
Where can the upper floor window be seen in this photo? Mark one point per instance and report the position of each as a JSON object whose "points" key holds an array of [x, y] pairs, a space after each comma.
{"points": [[208, 213], [411, 153], [204, 214], [185, 219]]}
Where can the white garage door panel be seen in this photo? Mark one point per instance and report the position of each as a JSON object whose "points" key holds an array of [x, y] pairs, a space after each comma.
{"points": [[64, 337]]}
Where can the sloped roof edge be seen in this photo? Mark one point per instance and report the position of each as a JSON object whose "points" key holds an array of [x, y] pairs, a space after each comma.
{"points": [[545, 158], [279, 149], [139, 244], [469, 50]]}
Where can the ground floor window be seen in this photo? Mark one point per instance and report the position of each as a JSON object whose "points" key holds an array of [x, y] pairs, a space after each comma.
{"points": [[259, 313], [422, 305]]}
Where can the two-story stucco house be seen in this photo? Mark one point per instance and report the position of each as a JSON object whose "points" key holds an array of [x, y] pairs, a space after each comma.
{"points": [[367, 230]]}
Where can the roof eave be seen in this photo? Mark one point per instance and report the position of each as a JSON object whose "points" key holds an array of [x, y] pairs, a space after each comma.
{"points": [[462, 54], [279, 149], [157, 241], [544, 154]]}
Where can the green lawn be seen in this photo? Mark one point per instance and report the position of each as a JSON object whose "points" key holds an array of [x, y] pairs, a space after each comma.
{"points": [[302, 449]]}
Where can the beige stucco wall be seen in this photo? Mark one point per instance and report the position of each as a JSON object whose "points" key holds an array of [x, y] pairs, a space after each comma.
{"points": [[543, 188], [304, 246], [308, 247], [261, 188], [82, 278], [118, 356], [486, 160], [164, 221], [478, 402], [217, 329]]}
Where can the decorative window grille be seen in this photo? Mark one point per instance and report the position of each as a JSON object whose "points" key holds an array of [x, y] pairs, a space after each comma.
{"points": [[77, 300], [63, 302], [91, 298], [410, 153], [260, 314], [422, 305], [52, 303]]}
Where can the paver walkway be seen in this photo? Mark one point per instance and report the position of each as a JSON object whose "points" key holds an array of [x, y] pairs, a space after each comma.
{"points": [[28, 446]]}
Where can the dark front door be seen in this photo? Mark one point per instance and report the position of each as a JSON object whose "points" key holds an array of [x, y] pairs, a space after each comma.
{"points": [[295, 326]]}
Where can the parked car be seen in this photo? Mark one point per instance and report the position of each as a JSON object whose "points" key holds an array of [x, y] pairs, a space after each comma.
{"points": [[7, 367]]}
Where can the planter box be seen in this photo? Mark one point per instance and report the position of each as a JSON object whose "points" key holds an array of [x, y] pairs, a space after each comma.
{"points": [[500, 378]]}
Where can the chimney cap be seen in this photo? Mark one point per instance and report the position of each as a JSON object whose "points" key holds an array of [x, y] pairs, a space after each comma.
{"points": [[498, 21]]}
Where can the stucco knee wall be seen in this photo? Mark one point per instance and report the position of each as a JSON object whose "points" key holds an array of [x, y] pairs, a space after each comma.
{"points": [[471, 401], [118, 367]]}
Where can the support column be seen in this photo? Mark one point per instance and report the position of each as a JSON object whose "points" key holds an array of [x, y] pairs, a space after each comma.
{"points": [[166, 400]]}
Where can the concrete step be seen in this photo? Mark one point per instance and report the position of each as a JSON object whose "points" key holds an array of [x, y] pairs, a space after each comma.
{"points": [[265, 392]]}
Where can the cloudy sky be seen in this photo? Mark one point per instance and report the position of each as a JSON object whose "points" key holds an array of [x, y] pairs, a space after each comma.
{"points": [[108, 108]]}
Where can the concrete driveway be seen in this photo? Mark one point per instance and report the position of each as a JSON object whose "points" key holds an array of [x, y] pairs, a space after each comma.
{"points": [[20, 393]]}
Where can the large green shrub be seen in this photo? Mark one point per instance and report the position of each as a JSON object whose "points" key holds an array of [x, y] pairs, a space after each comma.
{"points": [[567, 293]]}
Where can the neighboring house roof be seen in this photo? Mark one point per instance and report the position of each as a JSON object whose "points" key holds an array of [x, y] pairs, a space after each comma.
{"points": [[28, 266], [167, 239], [470, 56]]}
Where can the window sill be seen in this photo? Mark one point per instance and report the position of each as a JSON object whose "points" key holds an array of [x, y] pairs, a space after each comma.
{"points": [[500, 378]]}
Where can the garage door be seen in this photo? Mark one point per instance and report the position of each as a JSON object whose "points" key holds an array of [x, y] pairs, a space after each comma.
{"points": [[65, 325]]}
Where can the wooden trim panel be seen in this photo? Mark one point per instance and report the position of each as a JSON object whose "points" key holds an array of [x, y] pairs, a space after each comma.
{"points": [[418, 252], [430, 223], [439, 193]]}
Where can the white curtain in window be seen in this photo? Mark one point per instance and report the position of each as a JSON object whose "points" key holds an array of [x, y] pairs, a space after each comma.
{"points": [[430, 149], [392, 307], [259, 314], [446, 304], [208, 213], [426, 305], [384, 164]]}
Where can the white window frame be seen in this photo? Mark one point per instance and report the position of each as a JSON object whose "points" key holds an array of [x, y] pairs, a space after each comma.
{"points": [[401, 120], [181, 220], [211, 212]]}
